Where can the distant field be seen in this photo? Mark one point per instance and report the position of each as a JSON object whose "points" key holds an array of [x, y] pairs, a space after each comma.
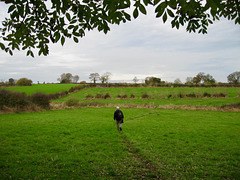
{"points": [[84, 144], [44, 88], [158, 96]]}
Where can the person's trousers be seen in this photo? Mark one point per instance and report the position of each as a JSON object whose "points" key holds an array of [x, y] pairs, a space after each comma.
{"points": [[119, 124]]}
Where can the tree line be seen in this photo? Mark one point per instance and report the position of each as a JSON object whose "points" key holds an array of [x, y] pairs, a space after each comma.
{"points": [[68, 78]]}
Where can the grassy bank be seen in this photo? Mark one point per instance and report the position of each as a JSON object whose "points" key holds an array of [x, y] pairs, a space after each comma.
{"points": [[83, 143]]}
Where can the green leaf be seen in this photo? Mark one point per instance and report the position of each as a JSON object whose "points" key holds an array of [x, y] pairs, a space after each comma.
{"points": [[142, 9], [68, 16], [10, 52], [135, 13], [20, 10], [170, 13], [11, 8], [156, 2], [62, 40], [127, 16], [173, 24], [57, 36], [75, 39], [165, 17], [71, 27], [146, 2], [159, 14], [2, 46], [28, 52], [31, 53]]}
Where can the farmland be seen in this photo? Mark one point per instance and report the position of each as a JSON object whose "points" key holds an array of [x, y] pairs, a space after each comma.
{"points": [[156, 96], [83, 143], [44, 88]]}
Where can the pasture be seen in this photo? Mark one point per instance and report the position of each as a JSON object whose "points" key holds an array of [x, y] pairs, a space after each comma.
{"points": [[157, 96], [84, 144], [43, 88]]}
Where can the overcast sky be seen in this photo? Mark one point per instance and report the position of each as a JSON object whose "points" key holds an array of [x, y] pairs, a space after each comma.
{"points": [[143, 47]]}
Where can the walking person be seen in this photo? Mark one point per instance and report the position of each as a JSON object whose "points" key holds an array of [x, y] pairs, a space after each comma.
{"points": [[118, 116]]}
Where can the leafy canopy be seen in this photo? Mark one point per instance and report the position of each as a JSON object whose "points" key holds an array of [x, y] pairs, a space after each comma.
{"points": [[36, 23]]}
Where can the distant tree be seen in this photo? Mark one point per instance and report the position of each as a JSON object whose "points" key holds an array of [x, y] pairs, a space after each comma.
{"points": [[189, 80], [135, 80], [75, 78], [197, 79], [24, 82], [105, 77], [94, 77], [177, 81], [152, 80], [234, 77], [11, 82], [67, 78], [208, 79], [83, 82], [201, 76]]}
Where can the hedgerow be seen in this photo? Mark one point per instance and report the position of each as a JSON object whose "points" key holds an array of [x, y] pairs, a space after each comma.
{"points": [[20, 101]]}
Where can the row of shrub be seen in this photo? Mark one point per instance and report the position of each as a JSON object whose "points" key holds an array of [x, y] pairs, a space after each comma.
{"points": [[166, 96], [187, 95], [159, 85], [107, 95], [19, 100]]}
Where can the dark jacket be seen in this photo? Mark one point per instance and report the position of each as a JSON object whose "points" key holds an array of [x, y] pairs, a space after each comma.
{"points": [[116, 115]]}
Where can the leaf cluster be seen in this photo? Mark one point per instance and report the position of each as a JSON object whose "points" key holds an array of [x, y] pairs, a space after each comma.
{"points": [[36, 24]]}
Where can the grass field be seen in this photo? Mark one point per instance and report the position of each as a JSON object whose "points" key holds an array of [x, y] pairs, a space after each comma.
{"points": [[84, 144], [157, 96], [44, 88]]}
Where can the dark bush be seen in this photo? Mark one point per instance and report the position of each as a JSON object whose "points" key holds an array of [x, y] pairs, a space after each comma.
{"points": [[72, 89], [219, 95], [132, 96], [12, 99], [63, 93], [107, 95], [99, 96], [145, 96], [205, 94], [24, 82], [191, 95], [40, 99], [181, 95], [76, 88], [72, 102], [53, 96], [124, 96], [89, 96]]}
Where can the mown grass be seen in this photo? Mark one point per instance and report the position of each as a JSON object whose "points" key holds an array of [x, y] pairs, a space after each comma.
{"points": [[44, 88], [84, 144], [158, 96]]}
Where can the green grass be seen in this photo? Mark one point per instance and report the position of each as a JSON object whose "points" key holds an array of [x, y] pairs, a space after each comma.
{"points": [[84, 144], [232, 96], [156, 91], [44, 88]]}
